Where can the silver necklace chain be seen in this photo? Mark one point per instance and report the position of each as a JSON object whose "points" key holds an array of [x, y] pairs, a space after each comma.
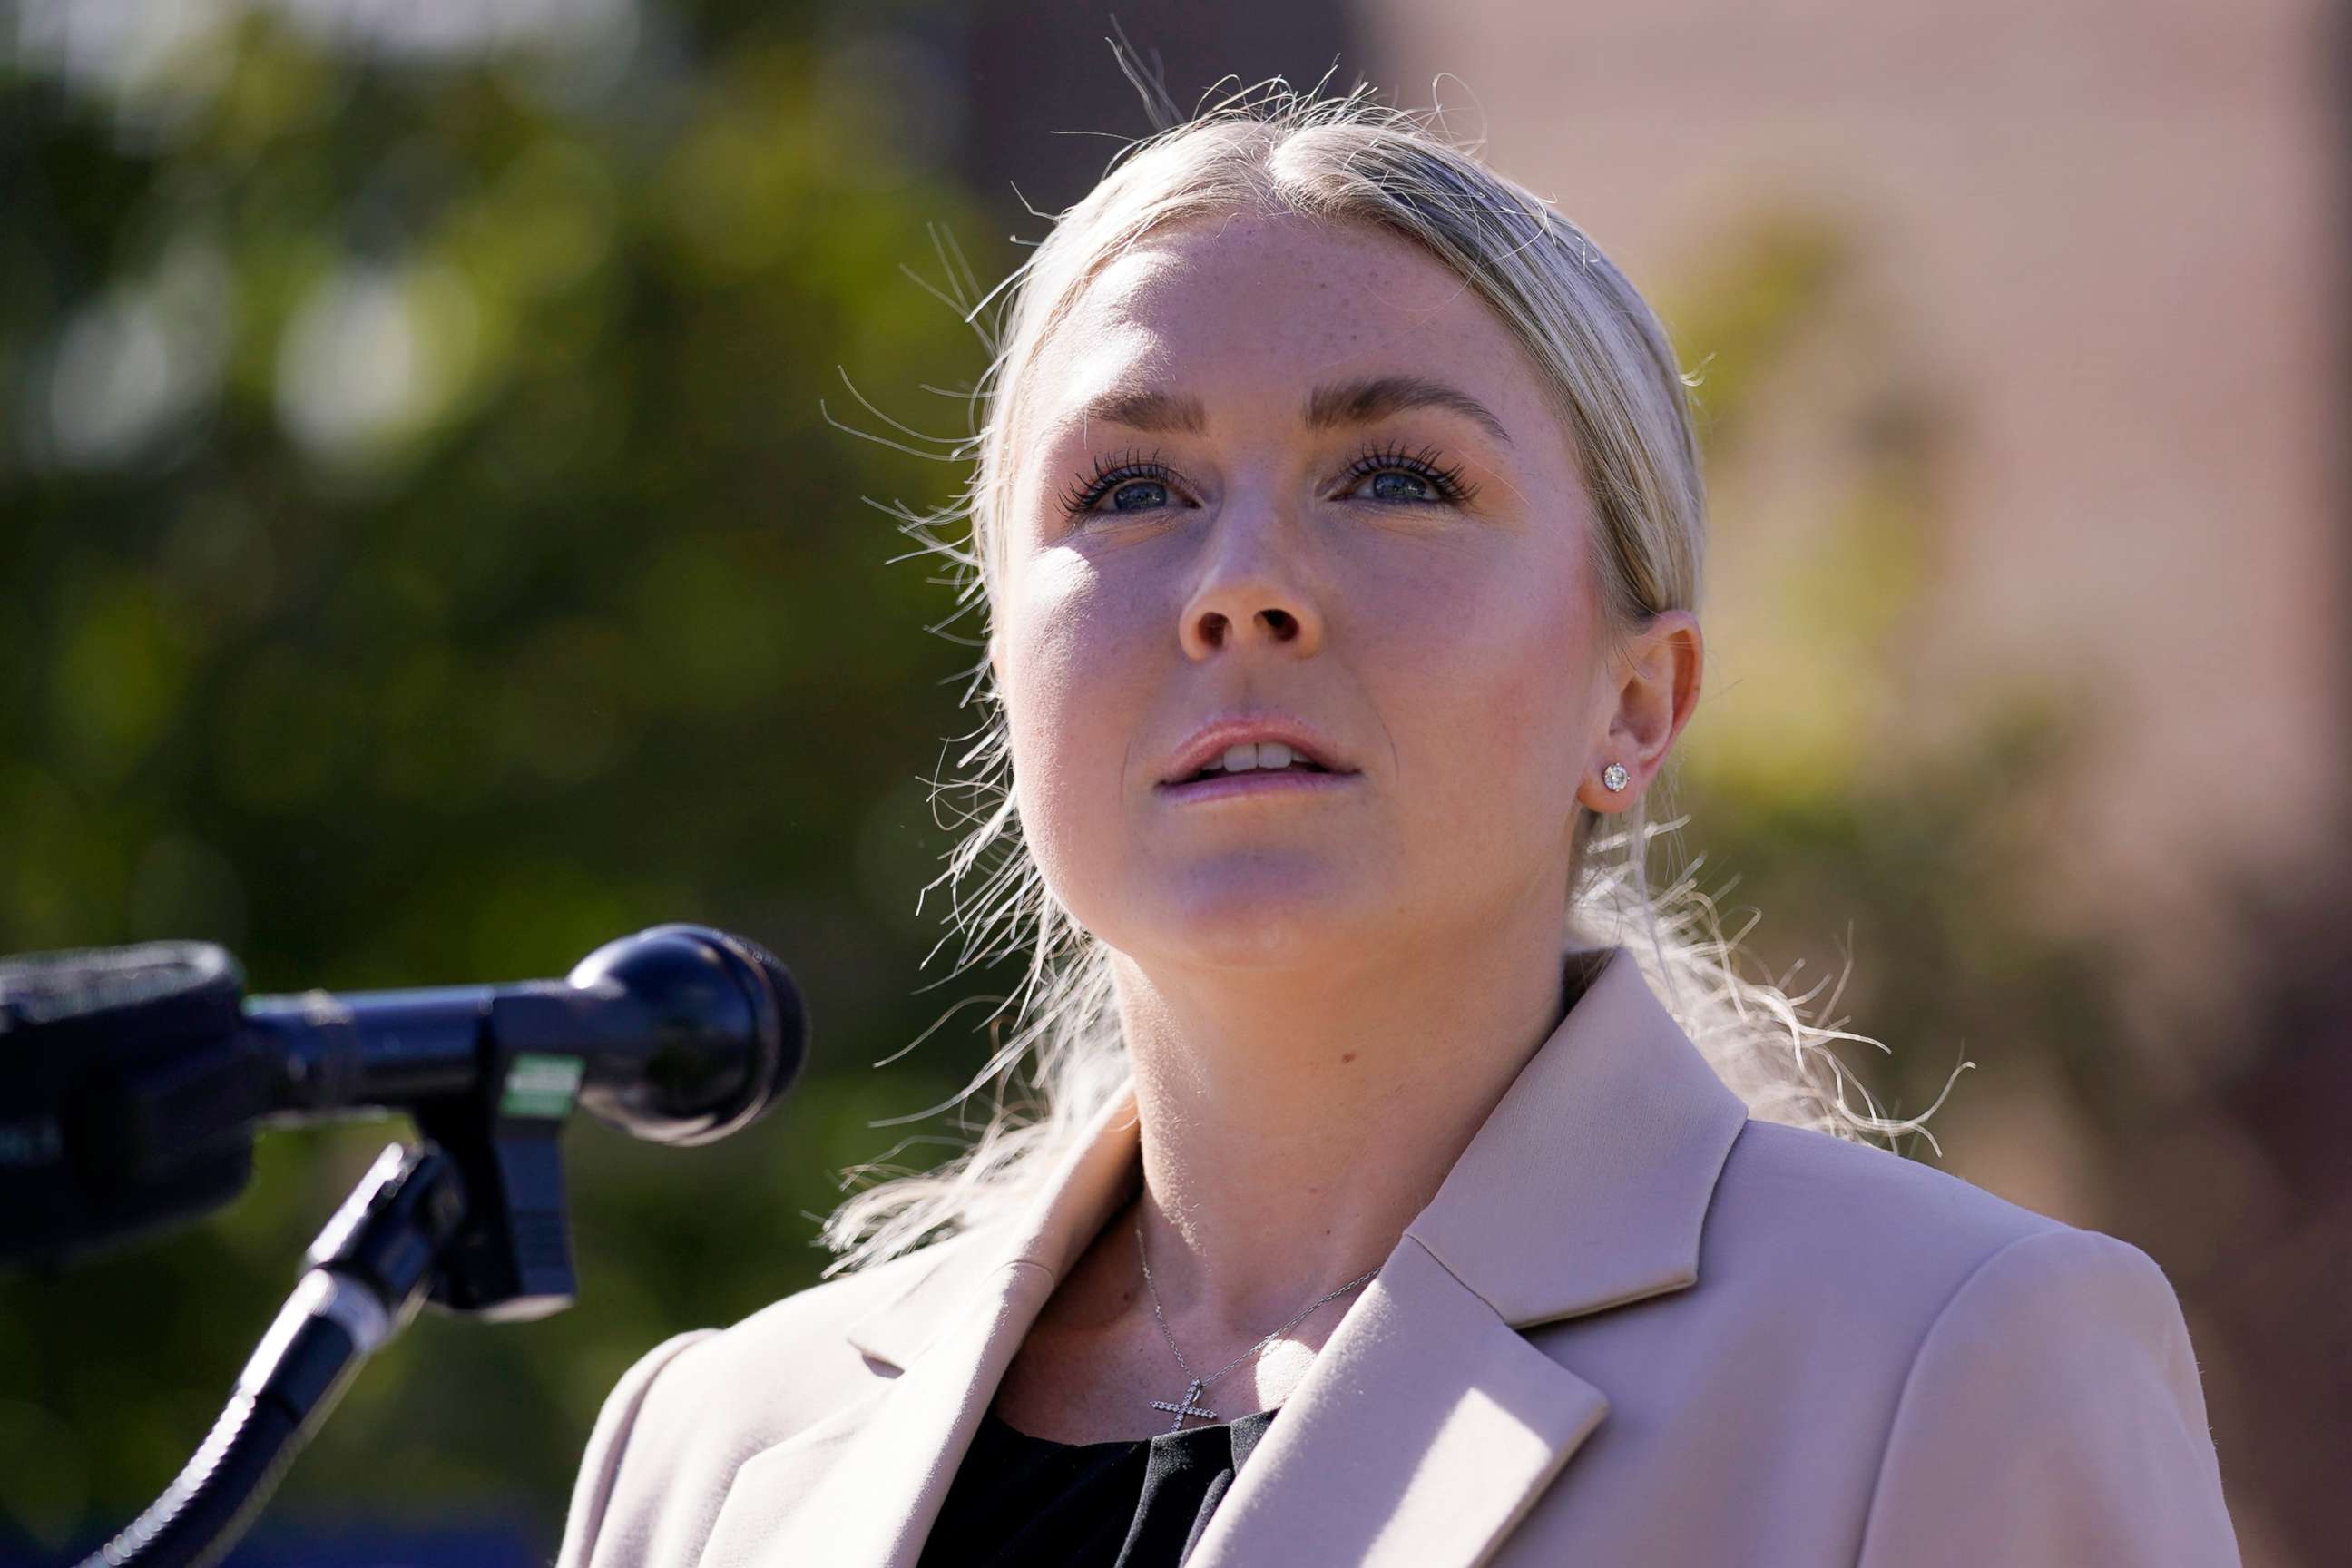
{"points": [[1198, 1382]]}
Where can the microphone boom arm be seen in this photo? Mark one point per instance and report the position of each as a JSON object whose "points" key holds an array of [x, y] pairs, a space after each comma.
{"points": [[367, 1273]]}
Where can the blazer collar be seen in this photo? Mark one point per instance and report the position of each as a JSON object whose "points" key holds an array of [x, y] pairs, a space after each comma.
{"points": [[1428, 1423]]}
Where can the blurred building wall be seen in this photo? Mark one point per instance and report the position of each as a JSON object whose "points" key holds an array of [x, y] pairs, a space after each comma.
{"points": [[2111, 233]]}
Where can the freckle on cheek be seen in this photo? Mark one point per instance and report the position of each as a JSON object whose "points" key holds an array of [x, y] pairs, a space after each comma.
{"points": [[1347, 1056]]}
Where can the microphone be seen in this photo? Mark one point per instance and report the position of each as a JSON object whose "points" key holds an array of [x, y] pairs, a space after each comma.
{"points": [[676, 1035], [132, 1080]]}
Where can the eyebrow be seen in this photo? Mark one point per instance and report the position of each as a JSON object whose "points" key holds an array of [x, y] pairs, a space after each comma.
{"points": [[1331, 407]]}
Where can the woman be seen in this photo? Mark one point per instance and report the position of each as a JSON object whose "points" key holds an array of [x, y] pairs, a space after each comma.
{"points": [[1339, 520]]}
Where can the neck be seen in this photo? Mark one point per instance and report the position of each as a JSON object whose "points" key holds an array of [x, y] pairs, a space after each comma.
{"points": [[1293, 1125]]}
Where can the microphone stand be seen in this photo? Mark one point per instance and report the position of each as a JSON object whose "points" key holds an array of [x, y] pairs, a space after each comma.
{"points": [[150, 1049], [364, 1279], [472, 1217]]}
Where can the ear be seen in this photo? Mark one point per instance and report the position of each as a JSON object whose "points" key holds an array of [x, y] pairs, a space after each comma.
{"points": [[1655, 685]]}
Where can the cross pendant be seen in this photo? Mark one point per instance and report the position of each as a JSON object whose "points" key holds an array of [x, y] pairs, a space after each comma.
{"points": [[1185, 1406]]}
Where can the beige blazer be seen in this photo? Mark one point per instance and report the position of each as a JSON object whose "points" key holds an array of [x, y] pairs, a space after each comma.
{"points": [[1634, 1328]]}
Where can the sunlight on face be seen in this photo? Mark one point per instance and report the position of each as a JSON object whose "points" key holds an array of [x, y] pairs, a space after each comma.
{"points": [[1214, 514]]}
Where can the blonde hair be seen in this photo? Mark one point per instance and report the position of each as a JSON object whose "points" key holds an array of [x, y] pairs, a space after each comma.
{"points": [[1609, 372]]}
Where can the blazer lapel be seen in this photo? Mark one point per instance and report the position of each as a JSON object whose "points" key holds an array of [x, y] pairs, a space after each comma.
{"points": [[1428, 1423], [863, 1485], [1426, 1428]]}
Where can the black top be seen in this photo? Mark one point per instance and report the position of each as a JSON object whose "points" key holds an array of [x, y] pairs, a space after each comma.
{"points": [[1035, 1503]]}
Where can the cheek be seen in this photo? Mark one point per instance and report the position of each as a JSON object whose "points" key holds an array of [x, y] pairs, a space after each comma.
{"points": [[1495, 702], [1066, 629], [1071, 671]]}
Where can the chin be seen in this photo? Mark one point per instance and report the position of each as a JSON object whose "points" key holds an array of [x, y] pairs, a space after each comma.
{"points": [[1256, 927]]}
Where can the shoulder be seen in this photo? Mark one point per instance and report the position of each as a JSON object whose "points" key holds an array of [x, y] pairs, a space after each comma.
{"points": [[821, 1317], [1827, 1204], [1887, 1265], [793, 1360], [1888, 1253], [1938, 1256], [686, 1415], [2015, 1356]]}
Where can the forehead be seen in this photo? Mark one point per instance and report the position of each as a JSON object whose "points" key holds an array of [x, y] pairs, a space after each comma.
{"points": [[1245, 311]]}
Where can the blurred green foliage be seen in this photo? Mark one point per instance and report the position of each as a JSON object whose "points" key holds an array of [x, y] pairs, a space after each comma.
{"points": [[1847, 797], [424, 560]]}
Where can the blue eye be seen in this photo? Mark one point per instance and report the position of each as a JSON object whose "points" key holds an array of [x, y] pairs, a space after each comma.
{"points": [[1447, 482], [1115, 478], [1082, 494]]}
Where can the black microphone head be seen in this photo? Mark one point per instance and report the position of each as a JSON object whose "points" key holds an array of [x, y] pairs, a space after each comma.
{"points": [[728, 1033]]}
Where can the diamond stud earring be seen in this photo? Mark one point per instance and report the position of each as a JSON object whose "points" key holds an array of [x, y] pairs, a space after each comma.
{"points": [[1614, 775]]}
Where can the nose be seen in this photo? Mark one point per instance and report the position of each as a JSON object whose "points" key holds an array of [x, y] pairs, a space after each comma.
{"points": [[1250, 596]]}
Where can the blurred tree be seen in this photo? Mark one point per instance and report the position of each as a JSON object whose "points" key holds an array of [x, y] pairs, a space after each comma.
{"points": [[425, 559]]}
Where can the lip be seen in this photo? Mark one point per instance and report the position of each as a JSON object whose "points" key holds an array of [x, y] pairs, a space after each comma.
{"points": [[1237, 786], [1222, 734]]}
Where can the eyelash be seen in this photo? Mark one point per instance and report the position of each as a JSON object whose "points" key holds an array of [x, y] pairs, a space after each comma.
{"points": [[1452, 489]]}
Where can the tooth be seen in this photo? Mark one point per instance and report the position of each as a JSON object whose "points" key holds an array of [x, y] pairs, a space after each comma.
{"points": [[1273, 755], [1241, 758]]}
